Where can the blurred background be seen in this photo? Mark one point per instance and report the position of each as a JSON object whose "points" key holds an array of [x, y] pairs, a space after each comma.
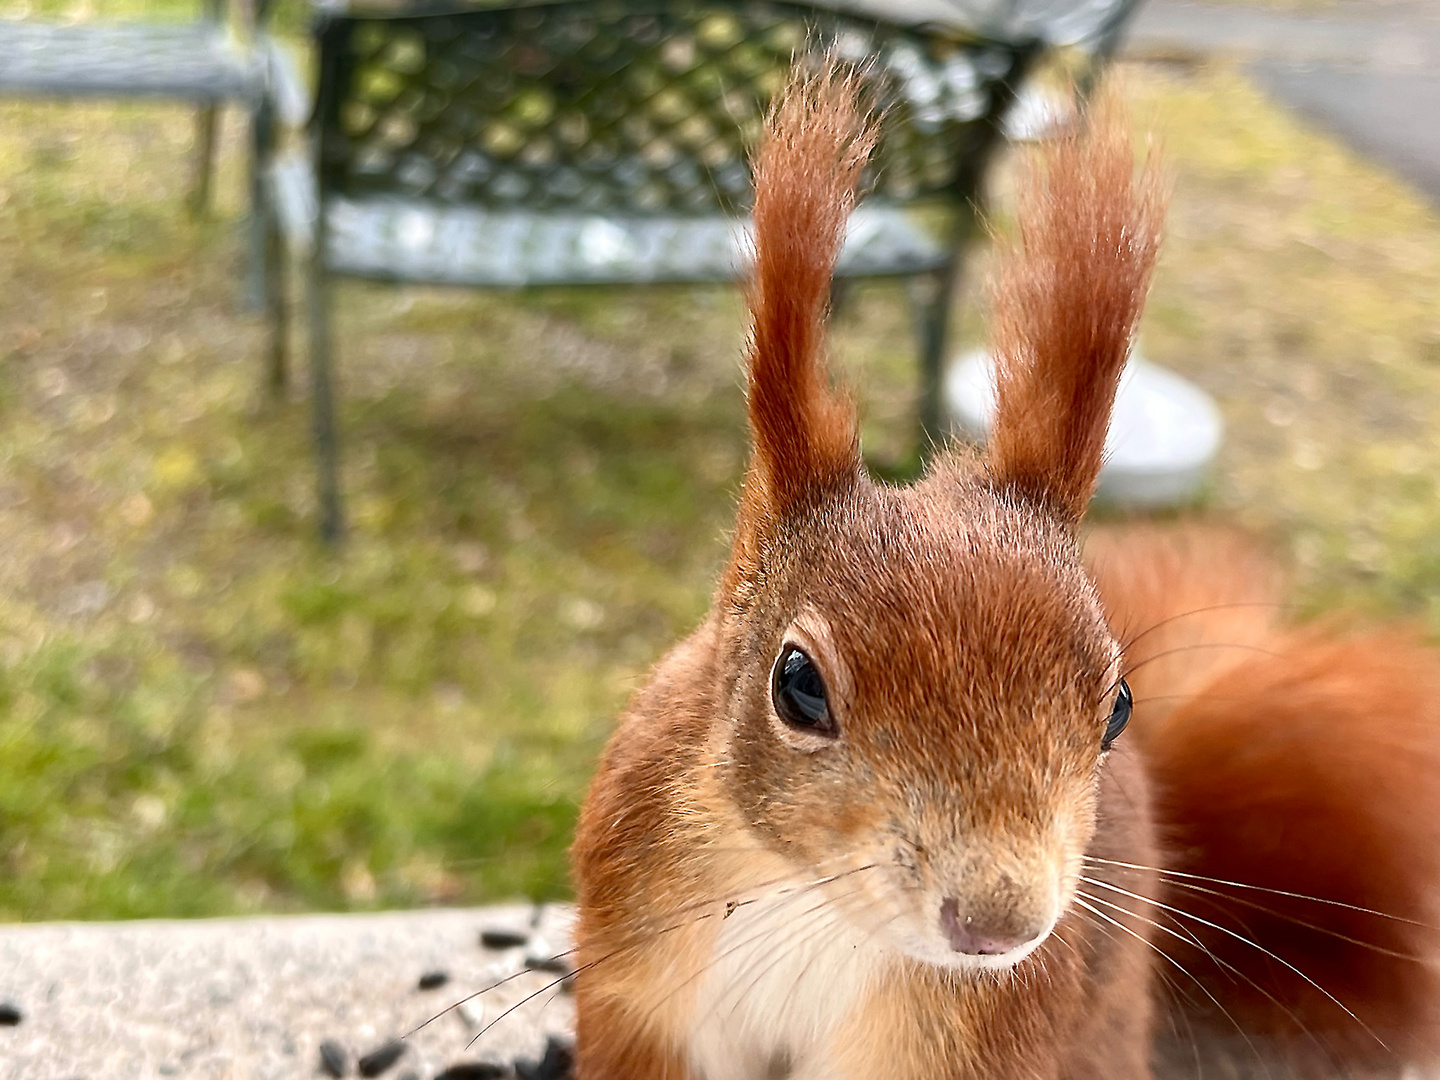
{"points": [[205, 710]]}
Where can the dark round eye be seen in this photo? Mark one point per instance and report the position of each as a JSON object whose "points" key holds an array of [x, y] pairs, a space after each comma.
{"points": [[799, 692], [1119, 716]]}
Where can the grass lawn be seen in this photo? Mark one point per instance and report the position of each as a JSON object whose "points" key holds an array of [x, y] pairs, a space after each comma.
{"points": [[201, 712]]}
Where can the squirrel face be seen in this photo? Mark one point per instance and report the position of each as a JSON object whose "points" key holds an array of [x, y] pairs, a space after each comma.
{"points": [[919, 684], [924, 687]]}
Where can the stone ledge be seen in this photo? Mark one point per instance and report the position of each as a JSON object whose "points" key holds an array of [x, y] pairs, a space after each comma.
{"points": [[252, 999]]}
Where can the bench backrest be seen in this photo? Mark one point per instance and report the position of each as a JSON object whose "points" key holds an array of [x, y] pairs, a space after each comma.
{"points": [[632, 106]]}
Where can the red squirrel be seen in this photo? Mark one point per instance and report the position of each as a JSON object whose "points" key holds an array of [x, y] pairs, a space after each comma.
{"points": [[881, 815]]}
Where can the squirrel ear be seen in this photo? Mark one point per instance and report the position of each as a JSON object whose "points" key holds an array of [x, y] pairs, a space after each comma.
{"points": [[817, 140], [1065, 303]]}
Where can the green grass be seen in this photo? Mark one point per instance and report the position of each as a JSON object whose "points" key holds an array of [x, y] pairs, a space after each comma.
{"points": [[1302, 287], [205, 712], [202, 712]]}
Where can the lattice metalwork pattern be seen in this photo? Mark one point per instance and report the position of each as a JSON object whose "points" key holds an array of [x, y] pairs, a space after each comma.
{"points": [[639, 106], [198, 61], [410, 240]]}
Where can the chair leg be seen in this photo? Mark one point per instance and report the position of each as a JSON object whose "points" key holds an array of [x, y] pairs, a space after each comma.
{"points": [[207, 121], [322, 399], [258, 225], [934, 295], [931, 296], [275, 284]]}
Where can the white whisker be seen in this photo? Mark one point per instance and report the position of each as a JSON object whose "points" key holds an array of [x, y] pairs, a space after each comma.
{"points": [[1254, 945]]}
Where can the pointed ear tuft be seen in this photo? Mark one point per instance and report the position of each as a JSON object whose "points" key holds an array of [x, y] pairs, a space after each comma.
{"points": [[1065, 303], [817, 140]]}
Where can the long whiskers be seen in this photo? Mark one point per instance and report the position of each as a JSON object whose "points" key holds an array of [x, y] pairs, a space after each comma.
{"points": [[760, 933], [772, 960], [1264, 889], [1252, 905], [594, 963], [1242, 938], [643, 934], [1186, 936], [1208, 608], [1082, 902], [1163, 653]]}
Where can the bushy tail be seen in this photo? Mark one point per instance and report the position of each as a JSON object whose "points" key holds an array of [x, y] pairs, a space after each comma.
{"points": [[1297, 780]]}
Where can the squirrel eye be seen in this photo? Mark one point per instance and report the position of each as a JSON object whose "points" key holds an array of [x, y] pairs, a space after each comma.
{"points": [[1119, 716], [799, 693]]}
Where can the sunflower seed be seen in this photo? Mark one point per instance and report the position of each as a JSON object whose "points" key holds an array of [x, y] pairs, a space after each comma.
{"points": [[378, 1060], [334, 1060], [473, 1070], [502, 939]]}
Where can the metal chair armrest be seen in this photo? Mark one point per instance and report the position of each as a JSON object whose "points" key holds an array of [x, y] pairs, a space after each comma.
{"points": [[294, 200], [287, 88]]}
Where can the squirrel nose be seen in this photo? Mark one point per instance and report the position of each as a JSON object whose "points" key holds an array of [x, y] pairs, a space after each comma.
{"points": [[974, 937]]}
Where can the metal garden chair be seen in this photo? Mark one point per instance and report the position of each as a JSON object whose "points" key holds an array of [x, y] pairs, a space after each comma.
{"points": [[210, 61], [567, 142]]}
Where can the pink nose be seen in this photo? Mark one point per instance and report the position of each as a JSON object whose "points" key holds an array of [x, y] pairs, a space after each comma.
{"points": [[969, 935]]}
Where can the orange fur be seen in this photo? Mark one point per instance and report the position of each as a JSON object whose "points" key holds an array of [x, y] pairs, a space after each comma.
{"points": [[1065, 305], [1301, 760], [806, 171], [952, 877], [1185, 604]]}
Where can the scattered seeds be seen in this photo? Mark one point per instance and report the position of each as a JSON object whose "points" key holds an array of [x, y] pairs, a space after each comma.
{"points": [[502, 939], [334, 1060], [557, 1064], [378, 1060], [473, 1070], [10, 1014], [433, 980], [552, 965]]}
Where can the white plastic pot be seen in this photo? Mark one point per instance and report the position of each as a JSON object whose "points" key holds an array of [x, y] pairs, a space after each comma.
{"points": [[1163, 436]]}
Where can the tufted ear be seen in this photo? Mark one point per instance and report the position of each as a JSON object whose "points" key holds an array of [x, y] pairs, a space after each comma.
{"points": [[1065, 303], [805, 442]]}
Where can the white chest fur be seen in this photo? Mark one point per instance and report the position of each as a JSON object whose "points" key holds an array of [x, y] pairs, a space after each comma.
{"points": [[783, 976]]}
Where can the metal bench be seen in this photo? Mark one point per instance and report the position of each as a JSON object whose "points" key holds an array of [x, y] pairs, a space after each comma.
{"points": [[567, 142], [204, 61]]}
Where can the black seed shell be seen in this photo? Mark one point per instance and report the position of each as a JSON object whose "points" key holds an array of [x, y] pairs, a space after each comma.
{"points": [[473, 1070], [334, 1060], [502, 939], [381, 1058]]}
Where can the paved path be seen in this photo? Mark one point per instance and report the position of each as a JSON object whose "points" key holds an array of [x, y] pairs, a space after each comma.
{"points": [[252, 999], [1367, 70]]}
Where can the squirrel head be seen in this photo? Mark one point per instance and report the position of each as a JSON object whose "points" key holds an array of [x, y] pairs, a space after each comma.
{"points": [[921, 680]]}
